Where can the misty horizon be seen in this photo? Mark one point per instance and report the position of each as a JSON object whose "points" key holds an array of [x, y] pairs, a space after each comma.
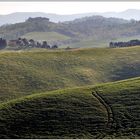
{"points": [[67, 8], [98, 12]]}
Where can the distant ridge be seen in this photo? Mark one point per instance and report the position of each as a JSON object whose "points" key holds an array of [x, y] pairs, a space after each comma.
{"points": [[22, 16]]}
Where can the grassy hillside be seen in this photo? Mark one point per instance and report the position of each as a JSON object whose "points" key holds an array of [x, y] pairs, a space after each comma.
{"points": [[23, 73], [104, 111], [49, 36]]}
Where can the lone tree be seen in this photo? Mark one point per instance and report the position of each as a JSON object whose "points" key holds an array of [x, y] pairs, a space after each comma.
{"points": [[38, 45], [32, 43], [45, 45], [3, 43], [54, 47]]}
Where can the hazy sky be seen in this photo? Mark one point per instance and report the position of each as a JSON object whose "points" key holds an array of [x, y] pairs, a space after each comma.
{"points": [[66, 7]]}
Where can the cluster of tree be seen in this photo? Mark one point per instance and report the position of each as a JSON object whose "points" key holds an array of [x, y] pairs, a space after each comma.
{"points": [[3, 43], [124, 44], [23, 42]]}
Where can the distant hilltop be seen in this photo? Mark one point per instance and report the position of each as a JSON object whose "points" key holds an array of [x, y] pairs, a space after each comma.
{"points": [[37, 19]]}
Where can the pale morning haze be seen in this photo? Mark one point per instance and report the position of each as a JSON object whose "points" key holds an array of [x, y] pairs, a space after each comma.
{"points": [[65, 8]]}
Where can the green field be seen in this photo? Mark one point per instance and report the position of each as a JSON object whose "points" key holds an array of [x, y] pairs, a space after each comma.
{"points": [[49, 36], [103, 111], [90, 43]]}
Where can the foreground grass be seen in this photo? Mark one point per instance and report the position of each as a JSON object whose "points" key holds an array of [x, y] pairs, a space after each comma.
{"points": [[26, 72], [60, 114], [75, 113]]}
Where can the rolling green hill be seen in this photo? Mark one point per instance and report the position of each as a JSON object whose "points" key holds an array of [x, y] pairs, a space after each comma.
{"points": [[26, 72], [63, 93], [104, 111]]}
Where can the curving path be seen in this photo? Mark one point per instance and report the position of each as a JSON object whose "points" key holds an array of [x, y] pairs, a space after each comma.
{"points": [[110, 119]]}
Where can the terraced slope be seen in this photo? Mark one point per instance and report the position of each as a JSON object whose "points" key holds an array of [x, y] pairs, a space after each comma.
{"points": [[26, 72], [75, 113]]}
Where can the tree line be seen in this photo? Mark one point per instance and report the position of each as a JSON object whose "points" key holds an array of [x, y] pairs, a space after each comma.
{"points": [[130, 43], [25, 43]]}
